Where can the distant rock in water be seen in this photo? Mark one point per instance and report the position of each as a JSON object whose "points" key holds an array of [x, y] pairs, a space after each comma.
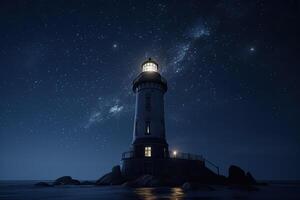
{"points": [[66, 180], [42, 184], [113, 178], [238, 176]]}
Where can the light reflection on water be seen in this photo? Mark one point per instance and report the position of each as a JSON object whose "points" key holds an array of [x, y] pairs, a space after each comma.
{"points": [[162, 193]]}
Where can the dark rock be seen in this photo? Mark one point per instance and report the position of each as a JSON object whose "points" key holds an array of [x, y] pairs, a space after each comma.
{"points": [[116, 170], [250, 178], [145, 181], [186, 186], [66, 180], [196, 186], [113, 178], [236, 173], [106, 179], [43, 184], [238, 176]]}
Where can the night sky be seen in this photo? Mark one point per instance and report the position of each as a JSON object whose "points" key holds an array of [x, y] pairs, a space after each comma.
{"points": [[66, 72]]}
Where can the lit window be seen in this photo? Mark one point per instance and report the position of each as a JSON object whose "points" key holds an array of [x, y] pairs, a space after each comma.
{"points": [[148, 128], [150, 67], [147, 151]]}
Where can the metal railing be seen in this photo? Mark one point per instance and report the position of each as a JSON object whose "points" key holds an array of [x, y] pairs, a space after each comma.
{"points": [[213, 165], [178, 155], [185, 156]]}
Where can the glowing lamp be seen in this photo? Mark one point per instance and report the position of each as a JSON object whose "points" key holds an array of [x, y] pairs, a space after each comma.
{"points": [[175, 153], [150, 66]]}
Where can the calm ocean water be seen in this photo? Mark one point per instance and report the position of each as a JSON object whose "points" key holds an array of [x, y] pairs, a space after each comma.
{"points": [[25, 190]]}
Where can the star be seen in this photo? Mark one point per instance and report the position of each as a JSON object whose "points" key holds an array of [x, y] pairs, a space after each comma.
{"points": [[252, 49], [115, 45]]}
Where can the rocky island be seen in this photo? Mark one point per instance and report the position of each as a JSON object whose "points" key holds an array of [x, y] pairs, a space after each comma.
{"points": [[237, 178]]}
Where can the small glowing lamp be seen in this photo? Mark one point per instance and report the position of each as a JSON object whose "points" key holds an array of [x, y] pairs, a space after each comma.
{"points": [[175, 153], [150, 66]]}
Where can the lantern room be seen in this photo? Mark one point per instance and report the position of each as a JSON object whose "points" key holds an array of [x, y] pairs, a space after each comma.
{"points": [[150, 66]]}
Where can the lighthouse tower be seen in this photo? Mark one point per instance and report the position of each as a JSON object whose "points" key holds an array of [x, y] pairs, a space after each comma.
{"points": [[149, 149], [149, 138], [149, 152]]}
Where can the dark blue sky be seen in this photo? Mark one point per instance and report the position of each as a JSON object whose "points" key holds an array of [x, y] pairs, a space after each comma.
{"points": [[66, 69]]}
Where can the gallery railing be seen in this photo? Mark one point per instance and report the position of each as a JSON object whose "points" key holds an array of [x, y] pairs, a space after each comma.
{"points": [[185, 156], [212, 165], [188, 156], [180, 155]]}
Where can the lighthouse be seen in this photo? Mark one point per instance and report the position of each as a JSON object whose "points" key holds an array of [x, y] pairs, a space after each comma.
{"points": [[149, 151], [149, 148], [149, 137]]}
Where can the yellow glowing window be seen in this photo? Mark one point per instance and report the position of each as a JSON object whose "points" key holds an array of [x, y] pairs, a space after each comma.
{"points": [[147, 151], [149, 67]]}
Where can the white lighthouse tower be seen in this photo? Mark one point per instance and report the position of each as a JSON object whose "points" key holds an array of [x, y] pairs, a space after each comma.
{"points": [[149, 123]]}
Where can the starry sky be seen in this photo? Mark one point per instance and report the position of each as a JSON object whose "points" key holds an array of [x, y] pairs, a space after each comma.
{"points": [[66, 71]]}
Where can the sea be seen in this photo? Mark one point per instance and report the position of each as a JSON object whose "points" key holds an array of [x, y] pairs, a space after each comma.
{"points": [[26, 190]]}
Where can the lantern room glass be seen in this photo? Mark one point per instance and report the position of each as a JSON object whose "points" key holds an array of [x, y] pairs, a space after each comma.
{"points": [[150, 67]]}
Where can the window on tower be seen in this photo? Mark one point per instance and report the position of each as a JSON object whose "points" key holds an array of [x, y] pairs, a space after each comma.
{"points": [[147, 151], [148, 128]]}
